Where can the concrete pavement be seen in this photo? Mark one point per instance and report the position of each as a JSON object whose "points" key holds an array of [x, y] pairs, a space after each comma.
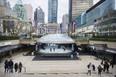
{"points": [[55, 68]]}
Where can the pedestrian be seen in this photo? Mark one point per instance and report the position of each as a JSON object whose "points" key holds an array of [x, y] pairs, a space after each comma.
{"points": [[77, 55], [20, 67], [54, 49], [99, 70], [16, 67], [10, 64], [93, 67], [32, 53], [6, 66], [112, 64], [107, 67], [102, 62], [71, 56], [89, 66]]}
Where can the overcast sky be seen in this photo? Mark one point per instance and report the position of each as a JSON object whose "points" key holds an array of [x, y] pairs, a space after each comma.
{"points": [[62, 6]]}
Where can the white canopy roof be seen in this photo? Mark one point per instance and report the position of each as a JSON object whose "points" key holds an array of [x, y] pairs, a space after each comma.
{"points": [[56, 38]]}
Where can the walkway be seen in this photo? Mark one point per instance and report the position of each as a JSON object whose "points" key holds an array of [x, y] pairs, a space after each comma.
{"points": [[55, 68]]}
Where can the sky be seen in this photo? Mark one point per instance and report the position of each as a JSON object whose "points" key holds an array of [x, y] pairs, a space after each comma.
{"points": [[62, 6]]}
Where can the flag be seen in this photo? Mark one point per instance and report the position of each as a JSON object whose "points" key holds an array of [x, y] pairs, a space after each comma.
{"points": [[35, 24]]}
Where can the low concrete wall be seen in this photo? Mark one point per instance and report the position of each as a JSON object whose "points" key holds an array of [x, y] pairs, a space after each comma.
{"points": [[79, 42], [109, 44], [27, 41], [9, 42], [13, 42]]}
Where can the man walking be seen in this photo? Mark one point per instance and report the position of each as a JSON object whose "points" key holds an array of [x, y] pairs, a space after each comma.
{"points": [[89, 68], [10, 64]]}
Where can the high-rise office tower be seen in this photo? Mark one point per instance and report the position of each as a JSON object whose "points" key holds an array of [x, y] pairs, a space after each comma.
{"points": [[39, 15], [76, 7], [52, 11], [20, 10], [29, 10]]}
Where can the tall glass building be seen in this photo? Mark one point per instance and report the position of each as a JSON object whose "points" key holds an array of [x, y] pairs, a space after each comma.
{"points": [[20, 10], [99, 20], [52, 11], [76, 7], [39, 15]]}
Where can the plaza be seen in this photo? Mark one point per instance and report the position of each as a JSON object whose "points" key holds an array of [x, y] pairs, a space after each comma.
{"points": [[57, 38], [54, 68]]}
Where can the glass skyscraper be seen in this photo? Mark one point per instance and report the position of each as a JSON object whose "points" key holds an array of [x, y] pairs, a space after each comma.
{"points": [[52, 11], [20, 10], [76, 7]]}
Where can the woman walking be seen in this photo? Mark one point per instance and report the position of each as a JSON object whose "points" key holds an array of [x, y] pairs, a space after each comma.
{"points": [[6, 66], [99, 70], [20, 67], [16, 67]]}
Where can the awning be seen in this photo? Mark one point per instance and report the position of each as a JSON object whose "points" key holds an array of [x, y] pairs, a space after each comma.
{"points": [[8, 48], [111, 50]]}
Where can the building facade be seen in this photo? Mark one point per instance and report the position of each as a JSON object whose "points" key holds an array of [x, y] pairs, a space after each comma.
{"points": [[29, 10], [76, 7], [53, 28], [39, 15], [52, 11], [98, 20], [5, 8], [20, 10], [65, 21]]}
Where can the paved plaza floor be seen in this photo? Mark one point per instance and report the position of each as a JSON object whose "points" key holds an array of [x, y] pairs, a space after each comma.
{"points": [[55, 68]]}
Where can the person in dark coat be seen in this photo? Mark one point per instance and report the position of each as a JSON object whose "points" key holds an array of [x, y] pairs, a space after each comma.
{"points": [[93, 67], [20, 67], [112, 64], [99, 70], [6, 66], [107, 67], [16, 67], [10, 64]]}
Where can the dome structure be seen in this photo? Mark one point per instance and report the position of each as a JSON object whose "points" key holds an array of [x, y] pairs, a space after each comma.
{"points": [[56, 39]]}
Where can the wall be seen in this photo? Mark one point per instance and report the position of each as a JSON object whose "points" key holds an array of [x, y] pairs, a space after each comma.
{"points": [[109, 44]]}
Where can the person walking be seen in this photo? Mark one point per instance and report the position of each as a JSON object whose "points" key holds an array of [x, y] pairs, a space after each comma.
{"points": [[107, 67], [89, 66], [6, 66], [99, 70], [20, 67], [93, 67], [112, 64], [10, 64], [16, 67]]}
